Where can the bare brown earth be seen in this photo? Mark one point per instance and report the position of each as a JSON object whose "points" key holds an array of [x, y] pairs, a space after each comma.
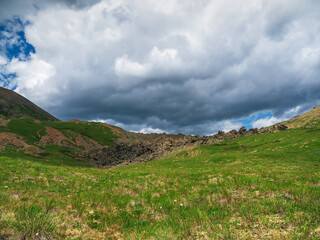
{"points": [[4, 122], [13, 140], [55, 137]]}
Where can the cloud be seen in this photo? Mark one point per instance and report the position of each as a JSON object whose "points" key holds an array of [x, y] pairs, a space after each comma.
{"points": [[11, 8], [178, 66], [31, 74], [3, 60], [265, 122], [126, 67]]}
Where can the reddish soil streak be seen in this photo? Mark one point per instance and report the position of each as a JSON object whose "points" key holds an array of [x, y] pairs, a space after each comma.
{"points": [[55, 137]]}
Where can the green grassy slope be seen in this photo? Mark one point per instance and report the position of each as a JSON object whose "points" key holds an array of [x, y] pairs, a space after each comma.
{"points": [[90, 135], [32, 131], [310, 118], [256, 187]]}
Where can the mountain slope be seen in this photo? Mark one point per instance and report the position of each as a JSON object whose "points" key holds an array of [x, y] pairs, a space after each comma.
{"points": [[43, 138], [13, 105], [308, 119]]}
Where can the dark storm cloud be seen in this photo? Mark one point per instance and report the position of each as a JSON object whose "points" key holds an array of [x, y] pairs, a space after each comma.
{"points": [[178, 66]]}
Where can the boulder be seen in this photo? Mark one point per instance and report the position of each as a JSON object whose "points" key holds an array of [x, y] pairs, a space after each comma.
{"points": [[242, 130]]}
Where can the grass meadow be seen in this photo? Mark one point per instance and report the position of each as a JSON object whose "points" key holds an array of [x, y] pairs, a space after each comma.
{"points": [[255, 187]]}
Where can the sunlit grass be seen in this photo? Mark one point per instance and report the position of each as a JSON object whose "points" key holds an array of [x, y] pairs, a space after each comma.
{"points": [[256, 187]]}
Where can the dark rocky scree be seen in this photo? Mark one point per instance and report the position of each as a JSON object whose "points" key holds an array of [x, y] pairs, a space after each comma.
{"points": [[151, 146]]}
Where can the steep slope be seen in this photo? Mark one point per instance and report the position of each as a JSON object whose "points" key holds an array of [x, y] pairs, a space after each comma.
{"points": [[14, 105], [308, 119]]}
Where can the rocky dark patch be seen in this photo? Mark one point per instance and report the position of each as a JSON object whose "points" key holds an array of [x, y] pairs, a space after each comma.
{"points": [[152, 146]]}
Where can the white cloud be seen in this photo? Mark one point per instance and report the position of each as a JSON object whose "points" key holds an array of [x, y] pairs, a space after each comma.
{"points": [[126, 67], [194, 66], [265, 122], [33, 75], [163, 56], [150, 130], [3, 60], [227, 125], [138, 128]]}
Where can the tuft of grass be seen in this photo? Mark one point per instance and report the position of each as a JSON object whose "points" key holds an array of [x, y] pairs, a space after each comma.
{"points": [[77, 203], [33, 222]]}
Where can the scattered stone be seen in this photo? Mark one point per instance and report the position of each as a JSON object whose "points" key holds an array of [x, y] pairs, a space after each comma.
{"points": [[135, 203], [287, 196], [281, 127]]}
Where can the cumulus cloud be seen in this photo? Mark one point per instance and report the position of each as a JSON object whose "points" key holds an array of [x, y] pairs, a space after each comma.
{"points": [[177, 66], [3, 60], [265, 122], [31, 74]]}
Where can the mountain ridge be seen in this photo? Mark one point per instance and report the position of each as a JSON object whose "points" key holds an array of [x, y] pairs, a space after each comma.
{"points": [[13, 105]]}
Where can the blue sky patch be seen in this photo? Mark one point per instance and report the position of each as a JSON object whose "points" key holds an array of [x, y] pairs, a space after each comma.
{"points": [[248, 121], [13, 44]]}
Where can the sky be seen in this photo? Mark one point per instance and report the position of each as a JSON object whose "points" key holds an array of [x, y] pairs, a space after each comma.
{"points": [[188, 66]]}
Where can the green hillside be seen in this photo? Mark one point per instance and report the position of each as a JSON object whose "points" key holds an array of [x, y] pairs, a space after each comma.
{"points": [[255, 187], [14, 105], [308, 119], [44, 138]]}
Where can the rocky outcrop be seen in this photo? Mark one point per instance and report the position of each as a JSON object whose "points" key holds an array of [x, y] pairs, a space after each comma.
{"points": [[145, 148], [151, 146], [281, 127], [120, 154]]}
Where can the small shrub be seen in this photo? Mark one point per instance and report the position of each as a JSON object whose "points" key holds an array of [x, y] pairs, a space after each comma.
{"points": [[33, 222]]}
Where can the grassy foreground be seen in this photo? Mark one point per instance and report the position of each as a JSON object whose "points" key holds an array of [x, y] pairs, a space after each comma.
{"points": [[255, 187]]}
